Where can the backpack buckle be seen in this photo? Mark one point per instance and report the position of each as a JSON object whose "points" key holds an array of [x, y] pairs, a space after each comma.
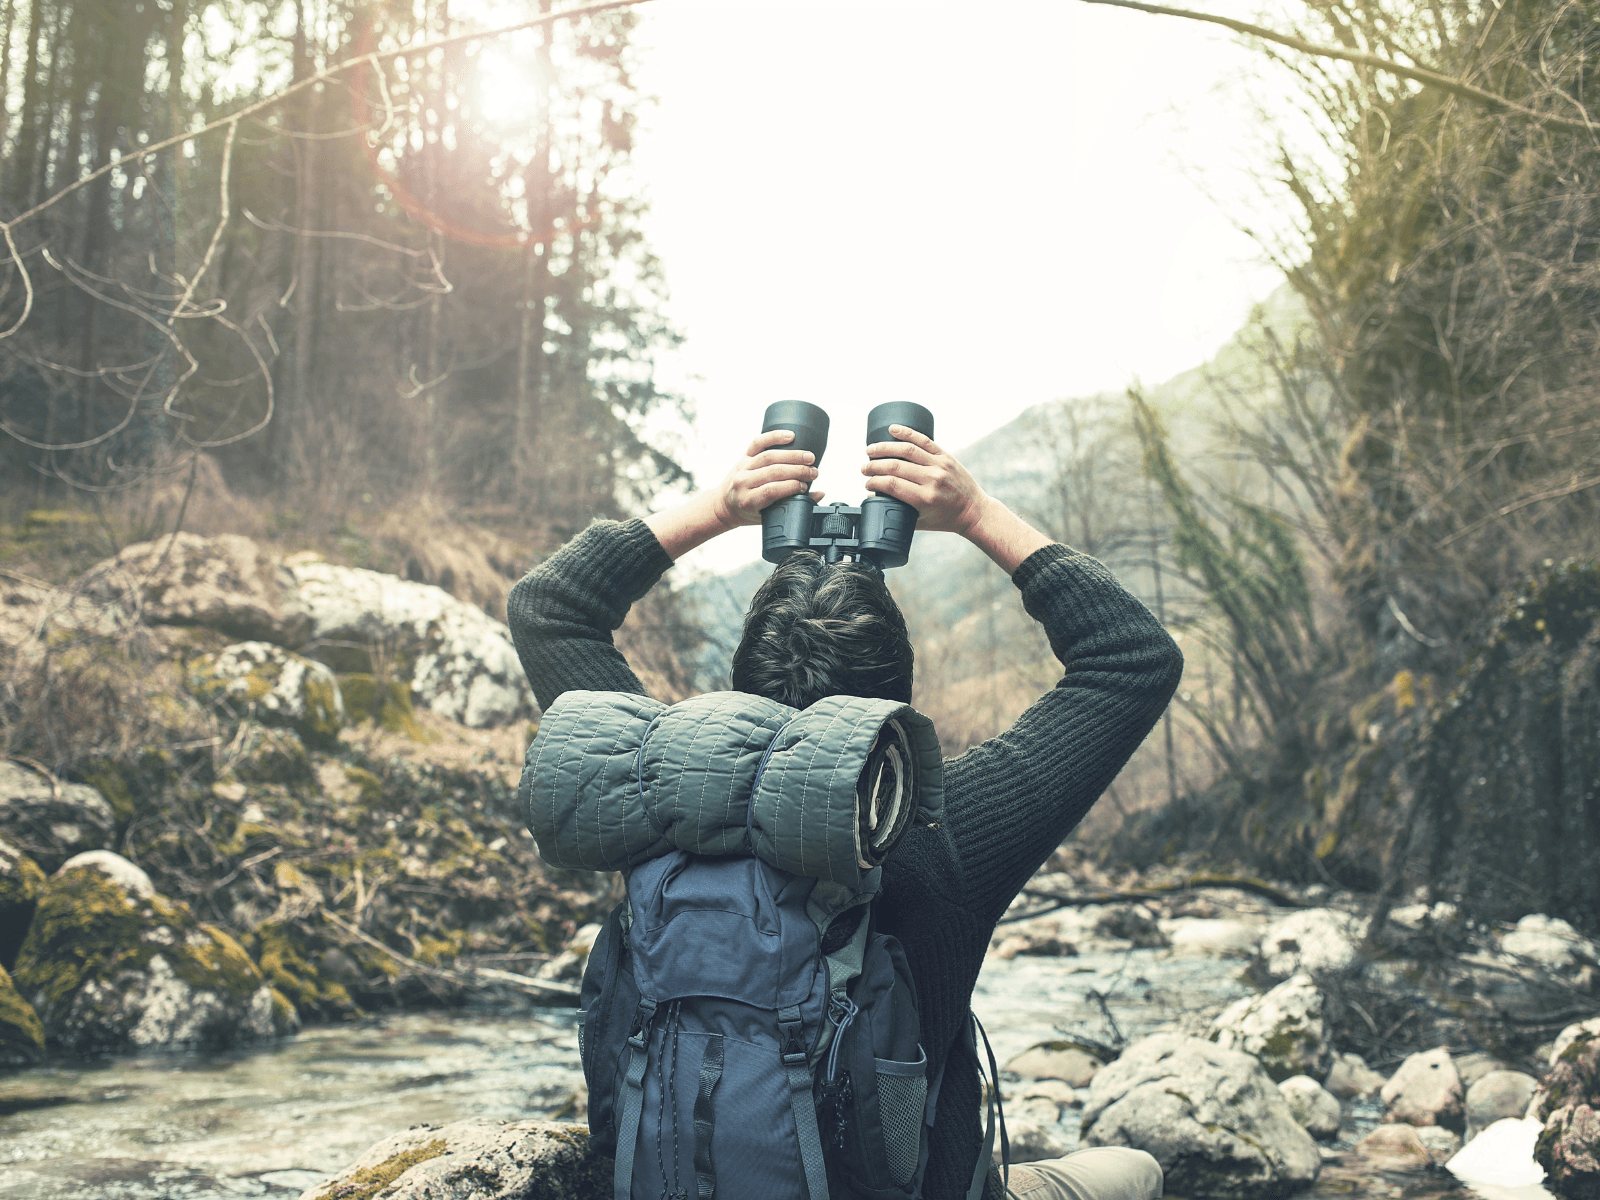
{"points": [[642, 1016]]}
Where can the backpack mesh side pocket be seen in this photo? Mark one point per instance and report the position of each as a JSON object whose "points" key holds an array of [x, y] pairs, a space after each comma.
{"points": [[902, 1096]]}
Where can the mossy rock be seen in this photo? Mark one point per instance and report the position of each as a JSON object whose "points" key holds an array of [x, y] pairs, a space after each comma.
{"points": [[276, 687], [52, 820], [268, 755], [21, 1034], [296, 969], [385, 704], [21, 884], [112, 967]]}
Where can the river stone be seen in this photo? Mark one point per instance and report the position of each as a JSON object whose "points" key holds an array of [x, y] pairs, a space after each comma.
{"points": [[1569, 1147], [458, 661], [21, 882], [1425, 1091], [1071, 1064], [1495, 1096], [1474, 1065], [1283, 1028], [1033, 1139], [1394, 1147], [1211, 1117], [113, 967], [1569, 1035], [275, 686], [1441, 1143], [1134, 923], [50, 822], [1314, 1108], [475, 1159], [1350, 1076], [1548, 941], [1500, 1156], [225, 583], [1222, 936], [1318, 940], [21, 1034]]}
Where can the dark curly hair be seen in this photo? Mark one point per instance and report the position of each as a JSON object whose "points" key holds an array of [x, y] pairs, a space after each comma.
{"points": [[816, 630]]}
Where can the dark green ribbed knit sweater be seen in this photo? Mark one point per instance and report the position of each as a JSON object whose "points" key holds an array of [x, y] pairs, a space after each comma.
{"points": [[1008, 802]]}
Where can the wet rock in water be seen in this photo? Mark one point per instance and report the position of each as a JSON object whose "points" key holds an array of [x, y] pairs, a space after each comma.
{"points": [[1501, 1156], [1316, 940], [1033, 1141], [1549, 942], [457, 661], [1072, 1064], [569, 964], [1283, 1028], [1496, 1096], [224, 583], [1569, 1147], [275, 686], [21, 883], [1394, 1147], [478, 1159], [1350, 1076], [113, 967], [1441, 1143], [51, 821], [1211, 1117], [1425, 1091], [1055, 1092], [1131, 923], [1314, 1108], [21, 1034]]}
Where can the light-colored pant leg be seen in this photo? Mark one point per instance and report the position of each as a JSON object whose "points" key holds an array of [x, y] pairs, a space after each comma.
{"points": [[1100, 1173]]}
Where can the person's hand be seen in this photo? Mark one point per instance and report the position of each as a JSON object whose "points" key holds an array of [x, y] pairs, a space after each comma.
{"points": [[915, 469], [766, 474]]}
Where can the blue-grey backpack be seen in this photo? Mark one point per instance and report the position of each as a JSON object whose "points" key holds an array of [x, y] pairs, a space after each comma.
{"points": [[746, 1029]]}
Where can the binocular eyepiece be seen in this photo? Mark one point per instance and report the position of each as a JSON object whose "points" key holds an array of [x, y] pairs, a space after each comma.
{"points": [[878, 532]]}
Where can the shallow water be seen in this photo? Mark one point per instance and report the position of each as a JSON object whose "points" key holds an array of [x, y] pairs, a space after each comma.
{"points": [[274, 1121]]}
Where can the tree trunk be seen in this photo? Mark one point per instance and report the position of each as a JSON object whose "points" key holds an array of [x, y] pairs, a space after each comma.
{"points": [[535, 288]]}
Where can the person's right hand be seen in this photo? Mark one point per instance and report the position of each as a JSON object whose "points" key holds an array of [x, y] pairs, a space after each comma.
{"points": [[927, 477], [765, 475]]}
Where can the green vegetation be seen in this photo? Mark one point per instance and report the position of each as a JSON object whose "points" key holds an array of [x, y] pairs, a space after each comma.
{"points": [[367, 1182]]}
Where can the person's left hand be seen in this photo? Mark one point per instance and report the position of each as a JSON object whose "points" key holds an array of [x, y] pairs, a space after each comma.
{"points": [[919, 471]]}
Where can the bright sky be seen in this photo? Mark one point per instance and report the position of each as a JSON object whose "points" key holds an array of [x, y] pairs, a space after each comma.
{"points": [[979, 208]]}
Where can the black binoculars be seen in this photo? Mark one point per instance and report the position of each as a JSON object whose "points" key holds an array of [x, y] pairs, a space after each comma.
{"points": [[878, 532]]}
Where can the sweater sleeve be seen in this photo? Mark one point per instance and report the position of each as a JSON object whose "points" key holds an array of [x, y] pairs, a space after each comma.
{"points": [[563, 612], [1011, 799]]}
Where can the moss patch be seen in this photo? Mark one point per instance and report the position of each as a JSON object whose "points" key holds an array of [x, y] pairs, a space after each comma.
{"points": [[21, 1034], [367, 1182], [385, 704], [21, 885]]}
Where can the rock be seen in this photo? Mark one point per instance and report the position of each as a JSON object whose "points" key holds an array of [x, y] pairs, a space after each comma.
{"points": [[1315, 939], [1131, 923], [570, 962], [1500, 1156], [1441, 1143], [1550, 942], [1282, 1028], [476, 1159], [1071, 1064], [1394, 1147], [1033, 1141], [1425, 1091], [458, 661], [1496, 1096], [1417, 917], [21, 882], [1054, 1091], [1569, 1147], [1475, 1065], [113, 967], [224, 583], [1211, 1117], [1569, 1035], [1314, 1108], [1350, 1076], [51, 821], [1194, 935], [21, 1035], [275, 686]]}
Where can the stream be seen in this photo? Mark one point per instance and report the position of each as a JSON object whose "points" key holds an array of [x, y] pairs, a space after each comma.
{"points": [[274, 1121]]}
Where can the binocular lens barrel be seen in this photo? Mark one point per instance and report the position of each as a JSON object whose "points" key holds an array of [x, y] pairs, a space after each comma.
{"points": [[897, 412], [810, 425]]}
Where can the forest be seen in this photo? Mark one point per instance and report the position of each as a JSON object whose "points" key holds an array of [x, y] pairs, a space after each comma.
{"points": [[284, 271]]}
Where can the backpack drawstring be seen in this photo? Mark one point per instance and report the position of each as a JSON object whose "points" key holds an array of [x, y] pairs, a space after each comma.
{"points": [[837, 1004]]}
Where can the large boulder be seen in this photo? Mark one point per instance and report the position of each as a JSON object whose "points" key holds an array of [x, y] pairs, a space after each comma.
{"points": [[113, 967], [1314, 1108], [458, 661], [1501, 1156], [476, 1159], [1425, 1091], [1496, 1096], [275, 686], [21, 1035], [224, 583], [1282, 1028], [1212, 1118], [1569, 1147], [1550, 942], [50, 820], [1318, 940], [1350, 1077], [21, 883]]}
